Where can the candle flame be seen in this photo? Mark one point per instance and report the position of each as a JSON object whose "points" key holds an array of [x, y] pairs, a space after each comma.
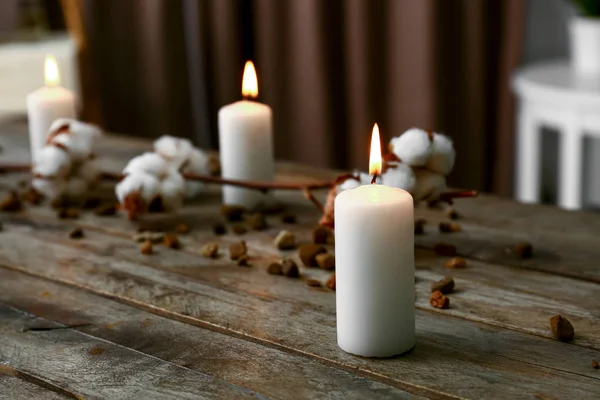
{"points": [[249, 81], [375, 157], [51, 74]]}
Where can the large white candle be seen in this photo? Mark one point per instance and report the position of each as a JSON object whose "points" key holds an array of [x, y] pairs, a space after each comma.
{"points": [[374, 252], [46, 105], [246, 143]]}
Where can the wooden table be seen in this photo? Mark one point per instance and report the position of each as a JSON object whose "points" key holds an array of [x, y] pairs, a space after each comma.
{"points": [[94, 318]]}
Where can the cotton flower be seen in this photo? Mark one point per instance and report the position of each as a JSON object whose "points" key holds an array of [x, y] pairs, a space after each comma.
{"points": [[196, 163], [362, 178], [142, 183], [443, 155], [78, 137], [413, 147], [400, 176], [429, 185], [150, 163]]}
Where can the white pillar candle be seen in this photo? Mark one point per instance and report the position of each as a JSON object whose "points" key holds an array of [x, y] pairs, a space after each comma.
{"points": [[375, 272], [246, 143], [46, 105]]}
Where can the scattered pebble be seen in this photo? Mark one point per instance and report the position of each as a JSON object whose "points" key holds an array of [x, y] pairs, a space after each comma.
{"points": [[322, 235], [11, 203], [68, 213], [285, 240], [257, 222], [239, 229], [146, 247], [210, 250], [106, 210], [236, 250], [331, 282], [171, 241], [595, 364], [308, 253], [232, 213], [562, 328], [76, 233], [445, 285], [456, 263], [452, 214], [314, 283], [219, 229], [182, 229], [438, 300], [445, 249], [420, 226], [523, 250], [288, 218], [449, 227], [325, 260], [289, 268], [275, 269], [243, 260]]}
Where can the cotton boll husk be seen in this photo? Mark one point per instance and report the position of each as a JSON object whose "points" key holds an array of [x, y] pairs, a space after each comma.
{"points": [[172, 190], [413, 147], [429, 185], [147, 185], [76, 188], [175, 150], [50, 188], [443, 155], [150, 163], [52, 161], [401, 176]]}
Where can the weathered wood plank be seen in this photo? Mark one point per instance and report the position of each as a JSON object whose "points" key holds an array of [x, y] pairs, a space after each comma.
{"points": [[278, 313], [14, 388], [247, 364], [89, 367]]}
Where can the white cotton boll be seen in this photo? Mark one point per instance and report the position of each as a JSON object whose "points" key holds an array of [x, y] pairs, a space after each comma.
{"points": [[175, 150], [413, 147], [364, 179], [76, 188], [59, 123], [80, 138], [172, 190], [150, 163], [402, 176], [52, 161], [349, 184], [197, 163], [50, 188], [89, 132], [443, 155], [78, 148], [90, 171], [144, 183], [429, 185]]}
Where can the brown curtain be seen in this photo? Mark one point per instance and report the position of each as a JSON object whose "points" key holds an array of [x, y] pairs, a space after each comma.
{"points": [[329, 69]]}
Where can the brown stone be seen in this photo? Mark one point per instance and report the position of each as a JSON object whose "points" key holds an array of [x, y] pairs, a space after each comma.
{"points": [[275, 269], [182, 229], [171, 241], [562, 328], [523, 250], [106, 210], [232, 213], [146, 247], [76, 233], [331, 282], [595, 364], [239, 229], [257, 221], [438, 300], [322, 235], [456, 263], [308, 253], [420, 226], [314, 283], [219, 229], [445, 285], [285, 240], [449, 227], [288, 218], [236, 250], [243, 260], [452, 214], [210, 250], [11, 203], [445, 249], [325, 260], [289, 268]]}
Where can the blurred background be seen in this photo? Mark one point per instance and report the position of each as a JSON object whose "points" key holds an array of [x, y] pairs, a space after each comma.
{"points": [[329, 69]]}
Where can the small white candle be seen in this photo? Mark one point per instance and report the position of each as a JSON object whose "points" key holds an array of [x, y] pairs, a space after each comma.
{"points": [[246, 143], [46, 105], [375, 272]]}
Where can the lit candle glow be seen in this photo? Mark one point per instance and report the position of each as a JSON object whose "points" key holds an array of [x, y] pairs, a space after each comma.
{"points": [[51, 74], [375, 154], [249, 81]]}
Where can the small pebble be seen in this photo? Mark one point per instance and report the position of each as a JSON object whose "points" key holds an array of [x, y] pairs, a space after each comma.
{"points": [[219, 229], [243, 260], [445, 285], [449, 227], [456, 263], [288, 218], [523, 250], [445, 249], [146, 247], [182, 229], [438, 300], [420, 226], [322, 235], [452, 214], [236, 250], [232, 213], [239, 229], [76, 233], [314, 283], [257, 222], [289, 268], [285, 240], [11, 203], [275, 269], [331, 282], [325, 260], [308, 253], [210, 250], [595, 364], [562, 328], [106, 210], [171, 241]]}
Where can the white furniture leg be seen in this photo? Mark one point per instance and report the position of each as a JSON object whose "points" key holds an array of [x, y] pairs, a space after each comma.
{"points": [[528, 156], [571, 160]]}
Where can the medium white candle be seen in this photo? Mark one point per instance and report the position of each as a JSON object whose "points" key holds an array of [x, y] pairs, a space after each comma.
{"points": [[375, 272], [246, 143], [46, 105]]}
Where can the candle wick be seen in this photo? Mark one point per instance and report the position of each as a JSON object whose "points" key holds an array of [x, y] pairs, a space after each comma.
{"points": [[374, 179]]}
